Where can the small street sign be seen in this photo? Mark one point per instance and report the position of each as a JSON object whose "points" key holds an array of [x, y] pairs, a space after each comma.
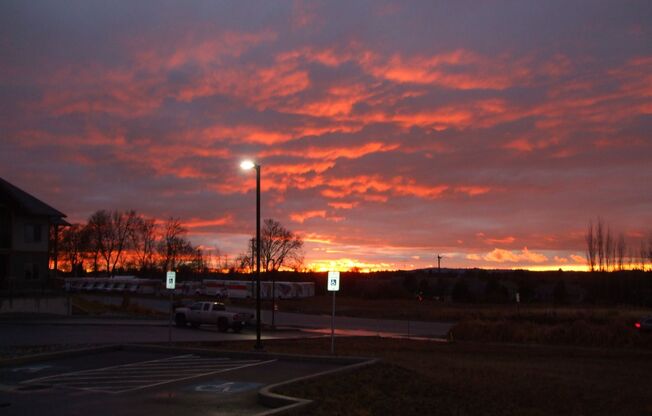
{"points": [[333, 281], [170, 280]]}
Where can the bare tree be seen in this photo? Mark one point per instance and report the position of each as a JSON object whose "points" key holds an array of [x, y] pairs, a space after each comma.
{"points": [[591, 246], [246, 262], [649, 249], [609, 251], [211, 259], [109, 233], [279, 246], [631, 258], [600, 243], [143, 238], [643, 252], [621, 249], [199, 264], [73, 246], [121, 229], [172, 244], [97, 229]]}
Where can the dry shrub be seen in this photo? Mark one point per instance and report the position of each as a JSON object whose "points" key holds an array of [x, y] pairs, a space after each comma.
{"points": [[616, 332]]}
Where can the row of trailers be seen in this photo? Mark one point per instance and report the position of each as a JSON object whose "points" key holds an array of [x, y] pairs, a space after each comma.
{"points": [[220, 289]]}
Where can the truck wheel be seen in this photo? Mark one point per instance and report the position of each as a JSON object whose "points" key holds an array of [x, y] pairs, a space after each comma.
{"points": [[222, 325], [180, 320], [237, 327]]}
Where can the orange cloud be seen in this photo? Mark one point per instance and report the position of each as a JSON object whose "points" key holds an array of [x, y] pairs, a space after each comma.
{"points": [[204, 52], [299, 168], [201, 223], [343, 205], [317, 238], [480, 72], [332, 153], [498, 255], [561, 260], [492, 241], [400, 186], [473, 190], [300, 217]]}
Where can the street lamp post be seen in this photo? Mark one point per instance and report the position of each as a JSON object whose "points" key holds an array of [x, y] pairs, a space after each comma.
{"points": [[248, 165]]}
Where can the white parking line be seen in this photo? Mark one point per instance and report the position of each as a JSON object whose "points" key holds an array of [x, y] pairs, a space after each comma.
{"points": [[141, 375]]}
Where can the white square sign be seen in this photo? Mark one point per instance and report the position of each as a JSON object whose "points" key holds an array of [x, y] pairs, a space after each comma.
{"points": [[333, 281], [170, 280]]}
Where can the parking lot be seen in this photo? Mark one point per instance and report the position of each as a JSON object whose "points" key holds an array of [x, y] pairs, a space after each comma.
{"points": [[141, 381], [141, 375]]}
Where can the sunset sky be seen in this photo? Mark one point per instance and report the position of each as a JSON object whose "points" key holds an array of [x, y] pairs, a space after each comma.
{"points": [[490, 132]]}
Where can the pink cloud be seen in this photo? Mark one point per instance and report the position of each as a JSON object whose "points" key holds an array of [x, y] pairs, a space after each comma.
{"points": [[301, 217], [498, 255]]}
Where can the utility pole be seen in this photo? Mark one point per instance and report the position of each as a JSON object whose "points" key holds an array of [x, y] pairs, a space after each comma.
{"points": [[439, 257]]}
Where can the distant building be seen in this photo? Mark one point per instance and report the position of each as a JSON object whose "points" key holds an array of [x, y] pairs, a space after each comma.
{"points": [[25, 224]]}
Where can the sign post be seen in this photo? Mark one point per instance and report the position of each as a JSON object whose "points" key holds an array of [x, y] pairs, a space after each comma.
{"points": [[170, 283], [518, 303], [333, 286]]}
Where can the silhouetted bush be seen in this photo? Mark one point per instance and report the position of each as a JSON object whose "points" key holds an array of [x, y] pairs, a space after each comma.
{"points": [[461, 292]]}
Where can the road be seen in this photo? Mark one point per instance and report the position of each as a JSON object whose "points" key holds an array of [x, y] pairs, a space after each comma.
{"points": [[362, 326], [356, 326], [78, 330]]}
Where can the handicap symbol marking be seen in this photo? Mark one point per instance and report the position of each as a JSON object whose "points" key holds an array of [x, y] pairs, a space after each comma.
{"points": [[225, 387], [31, 369], [215, 388]]}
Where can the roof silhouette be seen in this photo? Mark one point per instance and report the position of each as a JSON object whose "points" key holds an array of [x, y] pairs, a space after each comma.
{"points": [[27, 202]]}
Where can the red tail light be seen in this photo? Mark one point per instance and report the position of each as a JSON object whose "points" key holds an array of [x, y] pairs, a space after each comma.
{"points": [[637, 325]]}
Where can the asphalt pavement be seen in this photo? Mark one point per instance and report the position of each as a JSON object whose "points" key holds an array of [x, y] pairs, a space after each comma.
{"points": [[157, 382], [355, 326], [101, 331]]}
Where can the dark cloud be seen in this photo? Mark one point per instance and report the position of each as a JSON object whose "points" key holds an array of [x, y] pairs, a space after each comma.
{"points": [[387, 131]]}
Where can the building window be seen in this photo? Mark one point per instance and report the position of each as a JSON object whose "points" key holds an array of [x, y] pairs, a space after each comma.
{"points": [[33, 233], [31, 271], [5, 234], [3, 266]]}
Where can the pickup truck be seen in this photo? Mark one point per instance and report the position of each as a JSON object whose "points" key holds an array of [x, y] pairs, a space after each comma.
{"points": [[211, 313]]}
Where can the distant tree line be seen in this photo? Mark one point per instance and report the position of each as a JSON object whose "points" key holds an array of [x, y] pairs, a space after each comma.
{"points": [[607, 252], [632, 287], [112, 242], [119, 241]]}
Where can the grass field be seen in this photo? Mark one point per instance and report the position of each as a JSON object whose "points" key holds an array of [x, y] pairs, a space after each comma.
{"points": [[426, 378], [430, 310]]}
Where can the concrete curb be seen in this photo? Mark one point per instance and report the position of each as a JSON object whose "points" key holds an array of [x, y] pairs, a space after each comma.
{"points": [[282, 403]]}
